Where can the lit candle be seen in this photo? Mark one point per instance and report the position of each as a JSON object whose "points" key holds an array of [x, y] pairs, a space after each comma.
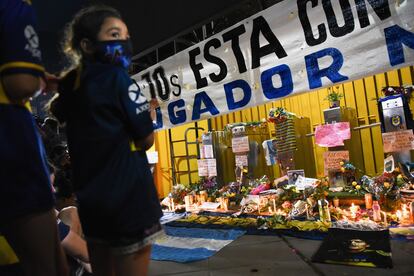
{"points": [[203, 196], [385, 218], [187, 202], [399, 215], [274, 204], [307, 212], [368, 201], [412, 211], [405, 212], [169, 204], [354, 209], [225, 203]]}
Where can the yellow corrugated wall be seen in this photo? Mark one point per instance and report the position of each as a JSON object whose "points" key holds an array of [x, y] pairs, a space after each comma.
{"points": [[359, 94]]}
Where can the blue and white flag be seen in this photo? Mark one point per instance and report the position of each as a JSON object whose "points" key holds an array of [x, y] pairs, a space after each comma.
{"points": [[181, 244]]}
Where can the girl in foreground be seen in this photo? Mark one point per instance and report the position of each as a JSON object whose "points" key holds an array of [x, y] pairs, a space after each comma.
{"points": [[108, 128]]}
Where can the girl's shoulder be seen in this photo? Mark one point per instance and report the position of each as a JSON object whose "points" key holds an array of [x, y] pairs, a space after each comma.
{"points": [[100, 70]]}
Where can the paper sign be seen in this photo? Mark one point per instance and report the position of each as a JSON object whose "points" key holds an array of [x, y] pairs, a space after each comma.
{"points": [[208, 151], [202, 167], [332, 135], [209, 205], [303, 182], [240, 144], [333, 158], [241, 160], [152, 157], [248, 198], [398, 141], [212, 167]]}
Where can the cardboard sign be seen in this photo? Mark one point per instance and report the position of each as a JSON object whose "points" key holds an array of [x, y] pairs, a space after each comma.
{"points": [[212, 167], [331, 159], [242, 160], [240, 144], [248, 198], [208, 151], [202, 167], [398, 141]]}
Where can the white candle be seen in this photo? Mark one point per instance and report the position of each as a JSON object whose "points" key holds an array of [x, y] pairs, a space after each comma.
{"points": [[187, 202], [385, 218], [354, 208], [405, 212], [399, 215]]}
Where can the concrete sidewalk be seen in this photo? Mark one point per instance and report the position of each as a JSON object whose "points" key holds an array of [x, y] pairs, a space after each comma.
{"points": [[273, 255]]}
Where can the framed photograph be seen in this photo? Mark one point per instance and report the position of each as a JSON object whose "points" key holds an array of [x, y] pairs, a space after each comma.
{"points": [[293, 175]]}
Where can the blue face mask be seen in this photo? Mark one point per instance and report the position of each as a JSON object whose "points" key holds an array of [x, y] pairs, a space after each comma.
{"points": [[116, 52]]}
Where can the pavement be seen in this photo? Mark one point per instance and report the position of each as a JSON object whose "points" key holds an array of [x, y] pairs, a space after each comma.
{"points": [[274, 255]]}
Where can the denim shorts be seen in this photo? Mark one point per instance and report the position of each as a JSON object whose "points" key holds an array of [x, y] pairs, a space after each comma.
{"points": [[123, 246]]}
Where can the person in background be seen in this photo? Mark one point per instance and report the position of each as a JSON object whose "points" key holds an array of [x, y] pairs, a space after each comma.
{"points": [[109, 128], [27, 217]]}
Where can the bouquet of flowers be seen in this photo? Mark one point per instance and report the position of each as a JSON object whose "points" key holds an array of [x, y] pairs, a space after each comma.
{"points": [[178, 193], [406, 91], [278, 115]]}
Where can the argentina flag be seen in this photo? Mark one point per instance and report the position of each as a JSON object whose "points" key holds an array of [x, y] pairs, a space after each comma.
{"points": [[181, 244]]}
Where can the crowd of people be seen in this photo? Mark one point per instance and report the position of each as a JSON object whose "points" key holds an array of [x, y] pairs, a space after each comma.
{"points": [[76, 186]]}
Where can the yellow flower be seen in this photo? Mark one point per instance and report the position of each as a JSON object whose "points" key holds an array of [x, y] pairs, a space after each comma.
{"points": [[341, 163], [354, 183], [325, 193], [397, 169], [399, 176], [358, 187], [342, 169], [386, 185]]}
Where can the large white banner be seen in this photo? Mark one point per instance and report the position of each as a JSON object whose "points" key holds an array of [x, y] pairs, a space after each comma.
{"points": [[289, 48]]}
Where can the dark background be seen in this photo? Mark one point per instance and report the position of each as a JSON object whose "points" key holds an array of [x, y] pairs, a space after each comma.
{"points": [[151, 23]]}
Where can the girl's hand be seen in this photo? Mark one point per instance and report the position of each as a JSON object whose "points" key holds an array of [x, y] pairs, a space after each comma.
{"points": [[153, 105]]}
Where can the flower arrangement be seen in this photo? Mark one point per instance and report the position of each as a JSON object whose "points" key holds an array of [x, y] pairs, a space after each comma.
{"points": [[406, 91], [356, 189], [321, 189], [349, 171], [208, 184], [178, 193], [279, 115]]}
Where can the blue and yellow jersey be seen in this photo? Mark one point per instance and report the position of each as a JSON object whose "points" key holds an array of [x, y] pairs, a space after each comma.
{"points": [[24, 176], [112, 179], [19, 50]]}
